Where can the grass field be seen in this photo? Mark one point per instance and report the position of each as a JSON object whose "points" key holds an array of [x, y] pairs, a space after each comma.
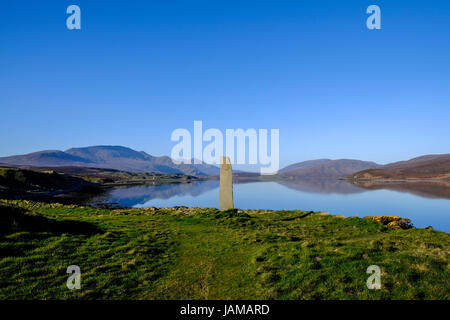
{"points": [[198, 253]]}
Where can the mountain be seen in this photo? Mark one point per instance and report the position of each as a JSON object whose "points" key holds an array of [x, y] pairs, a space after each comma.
{"points": [[304, 164], [110, 157], [326, 168], [435, 166]]}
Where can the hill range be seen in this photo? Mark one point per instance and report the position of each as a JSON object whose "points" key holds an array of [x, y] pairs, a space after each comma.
{"points": [[109, 157], [126, 159], [435, 167]]}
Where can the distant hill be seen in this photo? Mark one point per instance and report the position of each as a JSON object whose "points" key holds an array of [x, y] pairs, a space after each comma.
{"points": [[326, 168], [424, 167], [304, 164], [46, 158], [110, 157]]}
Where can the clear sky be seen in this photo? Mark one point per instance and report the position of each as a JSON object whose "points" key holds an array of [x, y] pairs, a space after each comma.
{"points": [[137, 70]]}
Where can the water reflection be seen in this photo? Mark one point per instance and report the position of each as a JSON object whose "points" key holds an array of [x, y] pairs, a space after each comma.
{"points": [[427, 189], [138, 195], [322, 186]]}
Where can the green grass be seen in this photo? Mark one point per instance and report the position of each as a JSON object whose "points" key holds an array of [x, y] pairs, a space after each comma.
{"points": [[199, 253]]}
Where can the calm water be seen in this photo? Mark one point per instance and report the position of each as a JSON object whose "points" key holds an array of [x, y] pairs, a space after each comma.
{"points": [[424, 208]]}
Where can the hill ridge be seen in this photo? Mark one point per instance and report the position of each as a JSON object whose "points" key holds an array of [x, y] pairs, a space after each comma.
{"points": [[326, 168], [110, 157], [436, 166]]}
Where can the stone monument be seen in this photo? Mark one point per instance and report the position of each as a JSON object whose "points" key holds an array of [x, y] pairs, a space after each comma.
{"points": [[226, 185]]}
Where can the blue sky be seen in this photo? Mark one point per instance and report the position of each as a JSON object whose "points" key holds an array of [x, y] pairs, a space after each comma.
{"points": [[137, 70]]}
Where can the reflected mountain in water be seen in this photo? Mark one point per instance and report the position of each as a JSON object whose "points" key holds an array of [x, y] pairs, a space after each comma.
{"points": [[138, 195], [131, 196], [426, 189], [322, 186]]}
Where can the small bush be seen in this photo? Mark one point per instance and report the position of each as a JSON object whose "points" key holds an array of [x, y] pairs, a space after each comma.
{"points": [[392, 222]]}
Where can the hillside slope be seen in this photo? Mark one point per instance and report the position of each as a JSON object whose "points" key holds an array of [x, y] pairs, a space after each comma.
{"points": [[424, 167], [19, 181], [326, 168], [46, 158]]}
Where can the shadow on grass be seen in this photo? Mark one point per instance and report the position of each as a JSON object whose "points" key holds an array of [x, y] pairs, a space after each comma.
{"points": [[14, 219]]}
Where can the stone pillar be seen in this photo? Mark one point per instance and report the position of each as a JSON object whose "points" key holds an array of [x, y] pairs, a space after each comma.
{"points": [[226, 184]]}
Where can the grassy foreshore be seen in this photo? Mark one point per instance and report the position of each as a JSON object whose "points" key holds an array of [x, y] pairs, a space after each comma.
{"points": [[74, 184], [199, 253]]}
